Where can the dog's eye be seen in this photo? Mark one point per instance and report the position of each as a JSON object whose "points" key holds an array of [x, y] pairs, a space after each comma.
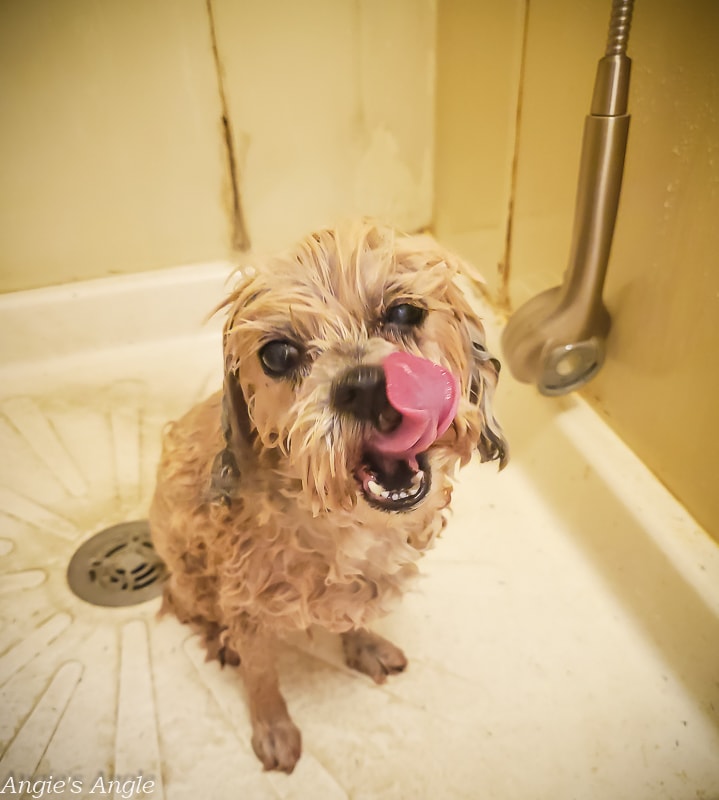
{"points": [[279, 358], [405, 315]]}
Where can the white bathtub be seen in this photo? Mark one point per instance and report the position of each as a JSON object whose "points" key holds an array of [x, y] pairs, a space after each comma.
{"points": [[564, 644]]}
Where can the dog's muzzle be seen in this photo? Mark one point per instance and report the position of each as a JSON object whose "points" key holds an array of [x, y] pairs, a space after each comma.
{"points": [[389, 484], [405, 403]]}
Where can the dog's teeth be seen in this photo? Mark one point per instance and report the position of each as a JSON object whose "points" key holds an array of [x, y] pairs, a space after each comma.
{"points": [[375, 488]]}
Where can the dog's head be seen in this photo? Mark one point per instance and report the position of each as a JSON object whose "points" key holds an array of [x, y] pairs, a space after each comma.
{"points": [[355, 360]]}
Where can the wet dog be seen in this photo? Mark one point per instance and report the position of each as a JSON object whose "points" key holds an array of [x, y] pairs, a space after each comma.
{"points": [[305, 492]]}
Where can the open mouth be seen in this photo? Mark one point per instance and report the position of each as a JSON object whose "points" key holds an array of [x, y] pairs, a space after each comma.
{"points": [[392, 484], [415, 403]]}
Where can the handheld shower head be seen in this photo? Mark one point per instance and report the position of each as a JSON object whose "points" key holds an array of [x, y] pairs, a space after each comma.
{"points": [[556, 339], [556, 343], [570, 366]]}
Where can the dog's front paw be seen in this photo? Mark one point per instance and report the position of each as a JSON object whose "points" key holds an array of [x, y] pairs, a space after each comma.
{"points": [[371, 654], [277, 743]]}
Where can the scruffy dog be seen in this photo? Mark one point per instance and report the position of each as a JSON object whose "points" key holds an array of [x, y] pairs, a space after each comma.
{"points": [[304, 493]]}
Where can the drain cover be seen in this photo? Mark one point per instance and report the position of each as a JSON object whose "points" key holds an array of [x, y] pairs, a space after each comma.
{"points": [[117, 567]]}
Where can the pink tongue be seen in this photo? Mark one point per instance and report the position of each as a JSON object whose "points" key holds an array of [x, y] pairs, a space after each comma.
{"points": [[427, 397]]}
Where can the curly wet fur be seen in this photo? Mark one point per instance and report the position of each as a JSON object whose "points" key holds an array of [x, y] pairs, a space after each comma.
{"points": [[257, 511]]}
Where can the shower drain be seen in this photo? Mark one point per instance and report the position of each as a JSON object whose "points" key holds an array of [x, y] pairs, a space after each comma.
{"points": [[117, 567]]}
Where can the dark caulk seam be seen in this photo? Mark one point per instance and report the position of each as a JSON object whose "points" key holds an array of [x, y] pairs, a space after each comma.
{"points": [[240, 237], [503, 299]]}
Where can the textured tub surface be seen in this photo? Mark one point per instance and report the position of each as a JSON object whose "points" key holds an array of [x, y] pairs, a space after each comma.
{"points": [[564, 642]]}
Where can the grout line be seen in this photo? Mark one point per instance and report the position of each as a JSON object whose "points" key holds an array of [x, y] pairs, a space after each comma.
{"points": [[240, 237], [503, 299]]}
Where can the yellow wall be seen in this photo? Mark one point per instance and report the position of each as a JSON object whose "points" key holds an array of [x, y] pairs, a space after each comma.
{"points": [[111, 155], [332, 105], [565, 39], [479, 51], [112, 145], [660, 387]]}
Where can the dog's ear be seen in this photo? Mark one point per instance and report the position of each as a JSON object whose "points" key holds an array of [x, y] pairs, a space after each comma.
{"points": [[239, 437], [236, 425], [483, 381]]}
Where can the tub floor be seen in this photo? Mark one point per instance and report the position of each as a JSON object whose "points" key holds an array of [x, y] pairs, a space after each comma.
{"points": [[558, 649]]}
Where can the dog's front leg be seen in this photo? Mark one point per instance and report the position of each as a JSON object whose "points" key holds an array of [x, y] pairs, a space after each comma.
{"points": [[276, 740]]}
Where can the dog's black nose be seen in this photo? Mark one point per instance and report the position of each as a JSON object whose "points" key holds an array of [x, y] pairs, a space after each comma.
{"points": [[362, 392]]}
